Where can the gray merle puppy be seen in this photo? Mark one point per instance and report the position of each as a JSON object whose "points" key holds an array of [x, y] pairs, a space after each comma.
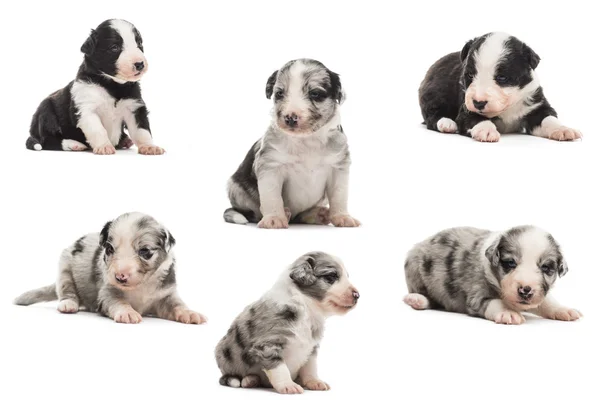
{"points": [[302, 163], [274, 341], [123, 272], [493, 275]]}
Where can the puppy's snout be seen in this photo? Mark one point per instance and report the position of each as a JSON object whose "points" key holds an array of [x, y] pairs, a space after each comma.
{"points": [[139, 66], [479, 104], [355, 296], [525, 293], [122, 278], [291, 120]]}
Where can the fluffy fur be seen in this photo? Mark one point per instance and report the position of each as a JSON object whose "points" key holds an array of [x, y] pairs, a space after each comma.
{"points": [[488, 88], [92, 111], [299, 170], [274, 342], [124, 272], [493, 275]]}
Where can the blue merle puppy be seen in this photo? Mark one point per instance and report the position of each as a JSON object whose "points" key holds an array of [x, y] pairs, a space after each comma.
{"points": [[274, 341]]}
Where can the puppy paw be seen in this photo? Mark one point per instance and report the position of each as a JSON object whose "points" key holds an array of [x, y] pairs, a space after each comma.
{"points": [[445, 125], [127, 315], [125, 143], [316, 384], [73, 145], [485, 132], [416, 301], [150, 150], [106, 149], [189, 317], [344, 220], [68, 306], [509, 318], [251, 381], [288, 213], [565, 134], [563, 313], [273, 222], [291, 388]]}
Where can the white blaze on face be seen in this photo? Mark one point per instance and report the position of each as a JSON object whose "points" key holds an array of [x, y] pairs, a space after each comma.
{"points": [[340, 295], [124, 261], [130, 53]]}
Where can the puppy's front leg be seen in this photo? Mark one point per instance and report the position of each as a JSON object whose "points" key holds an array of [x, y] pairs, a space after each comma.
{"points": [[550, 127], [281, 379], [337, 193], [173, 308], [498, 312], [270, 186], [477, 126], [138, 126], [95, 134], [308, 375], [551, 309], [113, 305]]}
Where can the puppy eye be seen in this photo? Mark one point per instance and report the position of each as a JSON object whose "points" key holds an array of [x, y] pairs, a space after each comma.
{"points": [[279, 95], [509, 264], [331, 278], [109, 250], [145, 253], [316, 95], [470, 75], [115, 48], [547, 270], [501, 79]]}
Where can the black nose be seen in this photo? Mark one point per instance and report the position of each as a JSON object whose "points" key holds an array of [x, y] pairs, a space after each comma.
{"points": [[139, 66], [525, 292], [355, 295], [479, 104], [291, 120]]}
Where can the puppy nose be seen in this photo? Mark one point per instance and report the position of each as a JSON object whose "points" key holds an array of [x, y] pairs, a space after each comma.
{"points": [[479, 104], [291, 120], [355, 296], [139, 66], [121, 278], [525, 292]]}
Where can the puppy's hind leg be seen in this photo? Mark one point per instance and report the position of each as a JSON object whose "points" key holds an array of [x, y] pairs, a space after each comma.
{"points": [[66, 288], [251, 381], [231, 381], [417, 301], [318, 215]]}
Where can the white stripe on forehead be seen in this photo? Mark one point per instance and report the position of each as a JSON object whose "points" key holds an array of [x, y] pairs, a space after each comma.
{"points": [[490, 51], [125, 29], [534, 243]]}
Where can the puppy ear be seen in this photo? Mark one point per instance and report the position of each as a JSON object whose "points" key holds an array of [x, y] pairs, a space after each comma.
{"points": [[90, 43], [104, 234], [336, 87], [168, 239], [303, 271], [532, 58], [270, 84], [562, 267], [465, 50], [493, 253]]}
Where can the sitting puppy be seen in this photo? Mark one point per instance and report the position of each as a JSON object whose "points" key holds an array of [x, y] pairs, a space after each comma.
{"points": [[274, 341], [124, 272], [302, 162], [496, 276], [488, 88], [105, 97]]}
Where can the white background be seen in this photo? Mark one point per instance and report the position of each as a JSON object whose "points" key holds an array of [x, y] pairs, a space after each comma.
{"points": [[209, 63]]}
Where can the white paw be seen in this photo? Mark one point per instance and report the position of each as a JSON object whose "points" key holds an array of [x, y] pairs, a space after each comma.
{"points": [[73, 145], [445, 125], [565, 314], [344, 220], [151, 150], [416, 301], [106, 149], [486, 132], [273, 222], [127, 315], [316, 384], [564, 133], [509, 318], [68, 306], [189, 317], [289, 388]]}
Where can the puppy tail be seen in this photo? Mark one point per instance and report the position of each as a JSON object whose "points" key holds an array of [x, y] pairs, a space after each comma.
{"points": [[239, 216], [43, 294], [231, 381], [33, 144]]}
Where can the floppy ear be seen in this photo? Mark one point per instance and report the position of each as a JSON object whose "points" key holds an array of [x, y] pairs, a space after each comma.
{"points": [[168, 239], [336, 87], [532, 58], [104, 234], [562, 267], [303, 271], [465, 50], [493, 254], [271, 84], [90, 43]]}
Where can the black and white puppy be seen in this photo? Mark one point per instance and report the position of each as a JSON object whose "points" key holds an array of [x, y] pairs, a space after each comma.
{"points": [[298, 171], [105, 97], [492, 275], [274, 341], [488, 88], [124, 272]]}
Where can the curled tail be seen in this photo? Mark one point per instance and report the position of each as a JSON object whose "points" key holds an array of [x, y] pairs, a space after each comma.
{"points": [[43, 294], [234, 216], [33, 144]]}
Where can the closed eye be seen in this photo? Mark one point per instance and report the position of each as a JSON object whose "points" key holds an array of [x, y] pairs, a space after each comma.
{"points": [[508, 264], [330, 278], [279, 95], [145, 253], [547, 269], [500, 79], [317, 95]]}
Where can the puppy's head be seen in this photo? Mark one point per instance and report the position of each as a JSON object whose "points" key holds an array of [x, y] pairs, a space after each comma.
{"points": [[306, 96], [498, 71], [324, 278], [135, 245], [115, 49], [526, 261]]}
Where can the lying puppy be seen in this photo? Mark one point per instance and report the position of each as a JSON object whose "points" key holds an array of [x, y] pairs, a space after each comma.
{"points": [[496, 276], [488, 88], [124, 272], [92, 110], [302, 162], [274, 341]]}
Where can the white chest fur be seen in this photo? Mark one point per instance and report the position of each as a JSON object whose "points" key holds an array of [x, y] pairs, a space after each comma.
{"points": [[92, 99], [299, 347]]}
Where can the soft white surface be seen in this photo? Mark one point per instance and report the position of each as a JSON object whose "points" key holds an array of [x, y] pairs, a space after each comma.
{"points": [[205, 91]]}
